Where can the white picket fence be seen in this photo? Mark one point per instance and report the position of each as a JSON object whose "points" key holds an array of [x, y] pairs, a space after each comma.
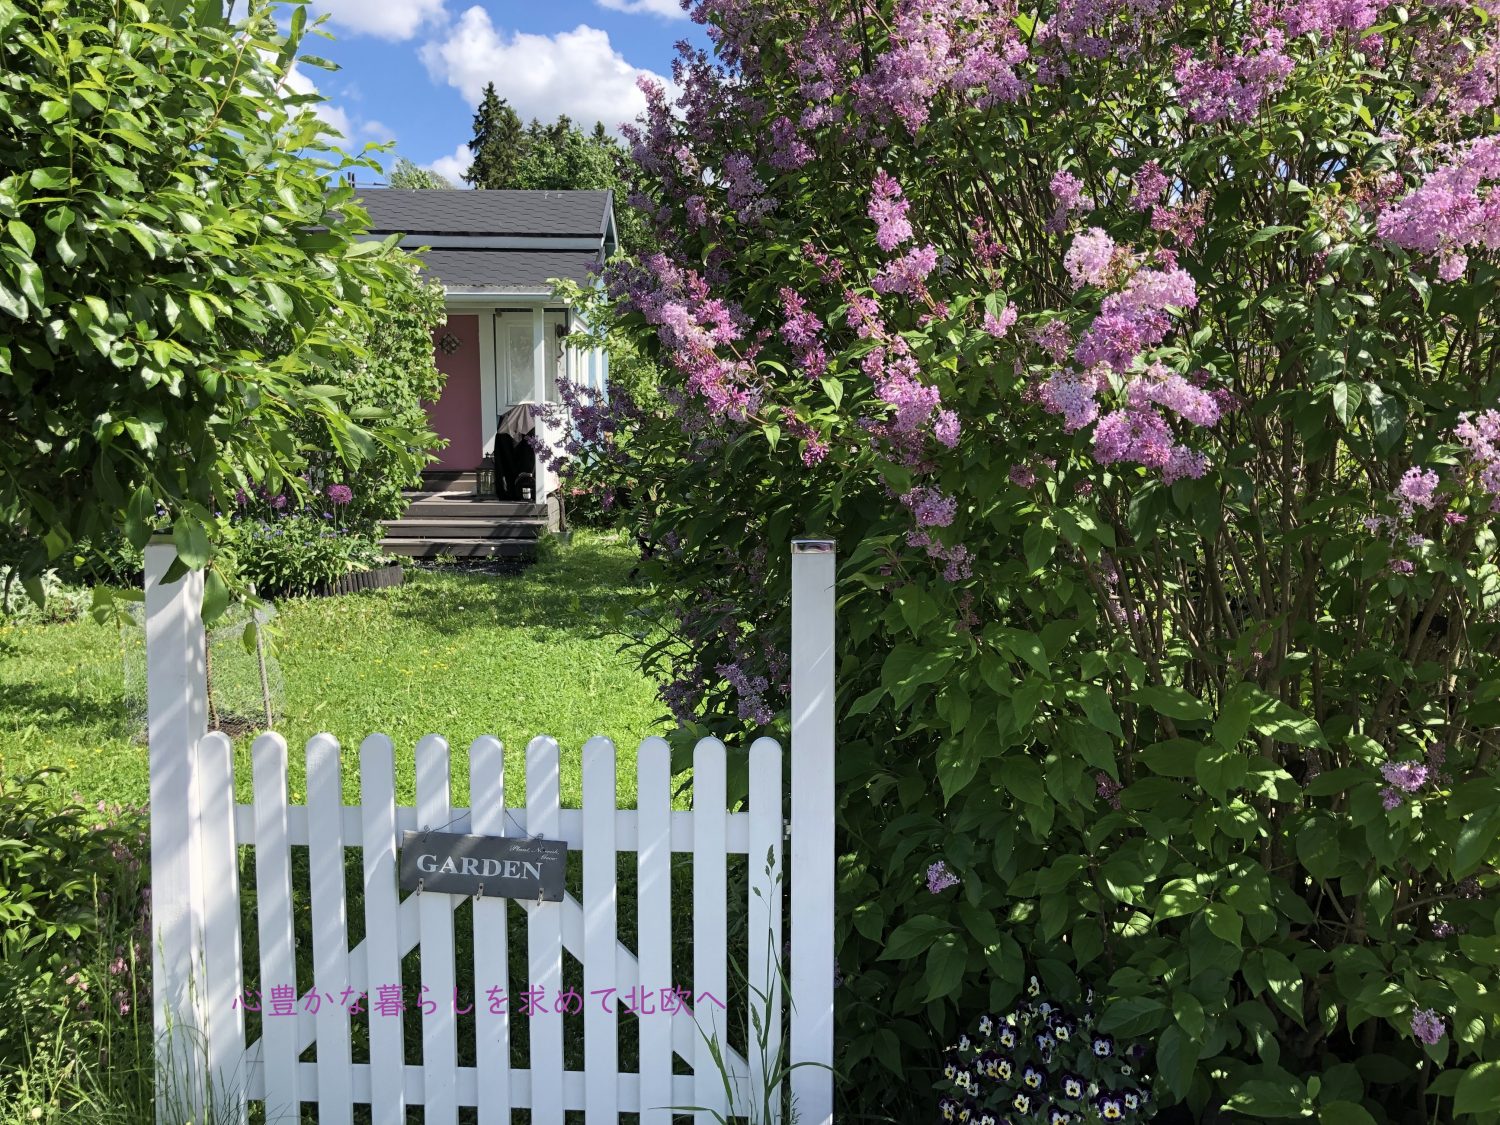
{"points": [[199, 949], [269, 1069]]}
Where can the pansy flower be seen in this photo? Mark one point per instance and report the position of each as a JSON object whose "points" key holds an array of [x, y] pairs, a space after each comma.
{"points": [[1060, 1117], [1132, 1100], [963, 1042], [1004, 1068], [1045, 1042], [965, 1080], [985, 1063], [1111, 1107], [986, 1024], [1062, 1029], [1103, 1046], [1034, 1077], [1033, 988], [948, 1108], [1022, 1102], [1007, 1038], [987, 1118], [1072, 1086], [950, 1070]]}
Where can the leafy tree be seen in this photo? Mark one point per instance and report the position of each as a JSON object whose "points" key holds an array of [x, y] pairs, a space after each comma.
{"points": [[497, 142], [178, 278], [405, 174], [1140, 356]]}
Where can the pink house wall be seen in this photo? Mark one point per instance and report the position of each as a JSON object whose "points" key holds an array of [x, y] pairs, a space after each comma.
{"points": [[456, 415]]}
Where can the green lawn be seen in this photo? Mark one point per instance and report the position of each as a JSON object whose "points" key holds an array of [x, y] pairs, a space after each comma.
{"points": [[459, 654]]}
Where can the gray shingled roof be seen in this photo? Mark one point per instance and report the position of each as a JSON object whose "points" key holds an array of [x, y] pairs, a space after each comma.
{"points": [[519, 270], [556, 213]]}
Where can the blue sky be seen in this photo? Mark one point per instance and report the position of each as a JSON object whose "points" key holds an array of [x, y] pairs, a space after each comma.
{"points": [[412, 70]]}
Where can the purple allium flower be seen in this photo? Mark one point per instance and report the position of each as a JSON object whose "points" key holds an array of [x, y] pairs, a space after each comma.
{"points": [[939, 878], [340, 493], [278, 501], [1428, 1026]]}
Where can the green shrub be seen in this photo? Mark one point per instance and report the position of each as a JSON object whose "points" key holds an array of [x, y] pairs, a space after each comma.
{"points": [[75, 946], [298, 553]]}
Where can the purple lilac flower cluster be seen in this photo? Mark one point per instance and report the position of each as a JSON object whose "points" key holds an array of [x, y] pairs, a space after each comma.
{"points": [[939, 878]]}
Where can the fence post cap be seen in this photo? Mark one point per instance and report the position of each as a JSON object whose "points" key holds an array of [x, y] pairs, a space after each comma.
{"points": [[813, 546]]}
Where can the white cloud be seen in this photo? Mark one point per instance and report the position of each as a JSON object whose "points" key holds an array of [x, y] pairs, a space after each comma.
{"points": [[667, 9], [388, 19], [452, 168], [575, 72], [298, 82], [377, 131]]}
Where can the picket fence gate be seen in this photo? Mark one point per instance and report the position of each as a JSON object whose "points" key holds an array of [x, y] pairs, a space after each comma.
{"points": [[207, 1068]]}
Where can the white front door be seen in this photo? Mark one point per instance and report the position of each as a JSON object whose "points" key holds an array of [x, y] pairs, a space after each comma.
{"points": [[514, 378]]}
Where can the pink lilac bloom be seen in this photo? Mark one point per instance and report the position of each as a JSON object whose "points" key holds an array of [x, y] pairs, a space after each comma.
{"points": [[1416, 489], [1402, 566], [1149, 184], [1108, 789], [1171, 390], [802, 330], [1390, 799], [1054, 339], [1406, 776], [930, 507], [1448, 213], [788, 151], [1022, 476], [939, 878], [1232, 87], [1074, 396], [998, 326], [1088, 260], [945, 428], [1067, 192], [907, 273], [1327, 17], [888, 209], [1428, 1026], [1480, 436], [1454, 518]]}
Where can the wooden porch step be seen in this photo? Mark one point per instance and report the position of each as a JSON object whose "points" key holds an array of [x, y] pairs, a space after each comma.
{"points": [[460, 548], [444, 508], [408, 528]]}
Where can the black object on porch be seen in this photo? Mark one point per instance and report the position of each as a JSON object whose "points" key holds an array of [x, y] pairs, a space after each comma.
{"points": [[515, 459]]}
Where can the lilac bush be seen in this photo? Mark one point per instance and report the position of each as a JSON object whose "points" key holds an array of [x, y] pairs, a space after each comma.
{"points": [[1140, 356]]}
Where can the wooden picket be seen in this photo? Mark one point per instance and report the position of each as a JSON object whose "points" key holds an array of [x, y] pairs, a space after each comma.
{"points": [[326, 827]]}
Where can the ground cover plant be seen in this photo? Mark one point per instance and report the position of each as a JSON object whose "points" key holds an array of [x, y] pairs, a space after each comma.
{"points": [[1140, 354]]}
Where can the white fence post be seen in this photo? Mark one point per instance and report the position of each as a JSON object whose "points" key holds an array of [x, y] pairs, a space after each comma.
{"points": [[812, 867], [176, 718]]}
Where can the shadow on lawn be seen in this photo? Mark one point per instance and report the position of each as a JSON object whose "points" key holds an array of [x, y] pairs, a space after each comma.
{"points": [[583, 591], [31, 703]]}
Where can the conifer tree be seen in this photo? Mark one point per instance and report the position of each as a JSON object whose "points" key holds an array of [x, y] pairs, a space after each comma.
{"points": [[497, 142]]}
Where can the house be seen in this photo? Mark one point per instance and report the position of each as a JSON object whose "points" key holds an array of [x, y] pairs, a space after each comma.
{"points": [[495, 253]]}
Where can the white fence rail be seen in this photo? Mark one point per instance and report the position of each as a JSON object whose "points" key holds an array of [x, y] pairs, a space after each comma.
{"points": [[201, 1002]]}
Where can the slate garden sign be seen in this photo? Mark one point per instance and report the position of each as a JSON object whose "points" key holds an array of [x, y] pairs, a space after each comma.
{"points": [[483, 866]]}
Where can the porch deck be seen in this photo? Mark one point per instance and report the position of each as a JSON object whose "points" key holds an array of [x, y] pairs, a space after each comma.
{"points": [[446, 518]]}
